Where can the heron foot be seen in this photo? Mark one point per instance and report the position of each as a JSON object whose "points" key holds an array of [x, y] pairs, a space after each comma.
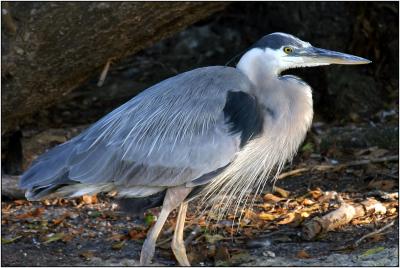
{"points": [[147, 253]]}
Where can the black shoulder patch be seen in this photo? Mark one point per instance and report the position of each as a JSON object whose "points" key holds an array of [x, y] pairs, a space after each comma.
{"points": [[244, 115]]}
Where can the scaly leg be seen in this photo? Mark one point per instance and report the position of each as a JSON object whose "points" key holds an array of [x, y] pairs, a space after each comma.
{"points": [[178, 245], [173, 197]]}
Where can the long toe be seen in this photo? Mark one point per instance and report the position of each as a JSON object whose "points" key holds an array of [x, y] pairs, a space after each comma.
{"points": [[180, 253]]}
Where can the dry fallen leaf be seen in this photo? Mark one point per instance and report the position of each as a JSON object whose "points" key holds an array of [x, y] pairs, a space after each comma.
{"points": [[360, 221], [312, 208], [302, 254], [273, 198], [7, 208], [267, 216], [117, 237], [377, 237], [59, 220], [230, 230], [112, 193], [137, 234], [281, 192], [67, 237], [249, 232], [31, 214], [87, 255], [20, 202], [298, 219], [304, 214], [384, 185], [266, 206], [202, 221], [251, 215], [307, 202], [294, 219], [89, 199], [46, 202], [288, 218], [391, 211]]}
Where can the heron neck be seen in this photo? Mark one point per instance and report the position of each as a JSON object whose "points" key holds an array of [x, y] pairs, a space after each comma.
{"points": [[257, 67]]}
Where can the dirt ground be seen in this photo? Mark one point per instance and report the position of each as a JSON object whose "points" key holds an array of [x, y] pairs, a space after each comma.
{"points": [[93, 231]]}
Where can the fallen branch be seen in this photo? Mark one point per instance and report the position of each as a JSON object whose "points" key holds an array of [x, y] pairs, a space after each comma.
{"points": [[341, 216], [339, 166]]}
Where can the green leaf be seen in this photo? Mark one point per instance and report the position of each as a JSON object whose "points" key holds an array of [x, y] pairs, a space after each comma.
{"points": [[11, 240], [221, 263], [118, 245], [149, 219], [240, 258], [94, 214], [372, 251], [213, 238], [307, 147], [54, 238]]}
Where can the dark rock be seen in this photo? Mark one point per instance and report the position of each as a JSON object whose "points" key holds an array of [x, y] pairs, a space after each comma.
{"points": [[49, 49]]}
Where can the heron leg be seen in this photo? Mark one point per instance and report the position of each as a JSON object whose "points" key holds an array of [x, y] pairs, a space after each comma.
{"points": [[173, 197], [178, 245]]}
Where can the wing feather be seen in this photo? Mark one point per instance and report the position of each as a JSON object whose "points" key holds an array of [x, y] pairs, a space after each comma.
{"points": [[170, 134]]}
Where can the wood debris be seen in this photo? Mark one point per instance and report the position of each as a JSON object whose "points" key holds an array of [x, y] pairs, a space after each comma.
{"points": [[341, 216]]}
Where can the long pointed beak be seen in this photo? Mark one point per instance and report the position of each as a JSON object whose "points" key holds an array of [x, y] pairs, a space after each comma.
{"points": [[324, 56]]}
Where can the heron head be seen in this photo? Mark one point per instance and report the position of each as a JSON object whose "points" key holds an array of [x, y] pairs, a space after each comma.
{"points": [[284, 51]]}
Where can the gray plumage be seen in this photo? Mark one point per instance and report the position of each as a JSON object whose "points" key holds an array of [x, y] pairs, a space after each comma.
{"points": [[169, 135]]}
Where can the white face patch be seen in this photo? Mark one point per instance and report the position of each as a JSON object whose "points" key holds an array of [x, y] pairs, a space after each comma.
{"points": [[279, 60]]}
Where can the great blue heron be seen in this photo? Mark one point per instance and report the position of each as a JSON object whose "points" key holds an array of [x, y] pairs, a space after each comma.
{"points": [[224, 128]]}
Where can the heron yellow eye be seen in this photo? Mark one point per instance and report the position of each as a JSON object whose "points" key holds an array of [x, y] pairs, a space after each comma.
{"points": [[288, 50]]}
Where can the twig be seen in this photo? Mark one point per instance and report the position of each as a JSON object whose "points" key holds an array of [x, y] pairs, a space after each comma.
{"points": [[292, 172], [373, 233], [340, 166], [375, 160], [105, 72]]}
